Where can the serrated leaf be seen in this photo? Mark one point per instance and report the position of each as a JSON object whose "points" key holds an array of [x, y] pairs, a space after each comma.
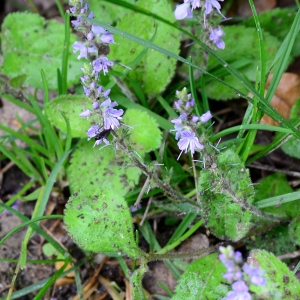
{"points": [[30, 43], [219, 188], [108, 12], [99, 220], [202, 280], [276, 18], [280, 280], [145, 135], [273, 185], [105, 168], [155, 70], [71, 106], [241, 44]]}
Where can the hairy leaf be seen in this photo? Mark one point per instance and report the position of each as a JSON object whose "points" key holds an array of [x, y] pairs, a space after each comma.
{"points": [[30, 43], [99, 220]]}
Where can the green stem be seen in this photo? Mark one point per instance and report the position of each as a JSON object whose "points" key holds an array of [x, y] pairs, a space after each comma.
{"points": [[181, 239]]}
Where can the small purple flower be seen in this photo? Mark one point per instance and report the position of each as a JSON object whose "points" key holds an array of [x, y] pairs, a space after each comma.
{"points": [[210, 4], [179, 125], [215, 36], [195, 3], [105, 36], [93, 131], [183, 11], [111, 116], [205, 117], [84, 50], [91, 15], [87, 91], [240, 292], [89, 36], [101, 63], [99, 134], [255, 275], [86, 113], [189, 141]]}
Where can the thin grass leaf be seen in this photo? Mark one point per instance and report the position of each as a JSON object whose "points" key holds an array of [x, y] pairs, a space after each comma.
{"points": [[24, 224], [284, 52], [26, 139], [51, 280], [32, 288], [247, 127], [278, 200], [167, 107], [19, 194], [183, 226], [17, 102], [40, 206], [281, 139], [193, 89], [45, 85], [59, 82], [68, 134], [65, 55], [36, 228]]}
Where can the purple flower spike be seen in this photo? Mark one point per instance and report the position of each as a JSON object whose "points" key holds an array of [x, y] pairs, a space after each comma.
{"points": [[215, 36], [206, 117], [183, 11], [85, 114], [189, 141]]}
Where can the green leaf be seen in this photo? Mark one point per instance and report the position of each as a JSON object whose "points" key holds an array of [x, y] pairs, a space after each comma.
{"points": [[292, 146], [99, 220], [71, 106], [155, 70], [219, 190], [108, 12], [294, 231], [17, 81], [202, 280], [241, 46], [280, 280], [276, 185], [49, 250], [30, 43], [283, 19], [105, 168], [145, 135]]}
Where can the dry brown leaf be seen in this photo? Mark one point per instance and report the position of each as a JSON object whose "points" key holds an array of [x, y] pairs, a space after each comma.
{"points": [[242, 7], [286, 95]]}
